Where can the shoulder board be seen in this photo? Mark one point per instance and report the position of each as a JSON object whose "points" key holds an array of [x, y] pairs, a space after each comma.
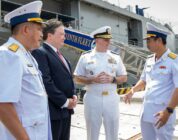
{"points": [[114, 52], [172, 55], [13, 47], [150, 56], [86, 52]]}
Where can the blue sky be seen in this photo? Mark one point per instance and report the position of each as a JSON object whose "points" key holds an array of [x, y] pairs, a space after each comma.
{"points": [[161, 10]]}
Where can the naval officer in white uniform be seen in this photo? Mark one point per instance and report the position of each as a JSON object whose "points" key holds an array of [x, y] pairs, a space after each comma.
{"points": [[160, 79], [23, 100], [101, 70]]}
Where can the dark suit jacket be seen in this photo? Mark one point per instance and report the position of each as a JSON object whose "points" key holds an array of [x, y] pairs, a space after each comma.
{"points": [[57, 79]]}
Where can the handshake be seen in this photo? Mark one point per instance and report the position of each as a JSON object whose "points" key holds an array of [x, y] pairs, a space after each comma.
{"points": [[103, 78], [72, 102]]}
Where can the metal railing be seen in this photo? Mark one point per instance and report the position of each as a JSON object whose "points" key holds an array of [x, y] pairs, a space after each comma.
{"points": [[133, 57]]}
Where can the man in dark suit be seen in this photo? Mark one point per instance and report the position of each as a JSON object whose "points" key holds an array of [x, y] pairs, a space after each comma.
{"points": [[57, 78]]}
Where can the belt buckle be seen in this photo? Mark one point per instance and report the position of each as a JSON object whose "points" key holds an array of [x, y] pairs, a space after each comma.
{"points": [[105, 93]]}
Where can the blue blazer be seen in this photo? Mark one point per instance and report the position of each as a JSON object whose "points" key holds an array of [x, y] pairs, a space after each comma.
{"points": [[57, 79]]}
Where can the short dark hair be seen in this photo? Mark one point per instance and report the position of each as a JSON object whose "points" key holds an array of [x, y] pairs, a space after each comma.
{"points": [[50, 27], [163, 40]]}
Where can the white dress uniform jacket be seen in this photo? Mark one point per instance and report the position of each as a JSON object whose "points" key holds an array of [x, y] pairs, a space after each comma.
{"points": [[101, 100], [161, 79], [21, 85]]}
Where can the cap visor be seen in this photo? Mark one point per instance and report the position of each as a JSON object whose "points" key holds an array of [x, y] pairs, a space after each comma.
{"points": [[104, 36], [146, 38]]}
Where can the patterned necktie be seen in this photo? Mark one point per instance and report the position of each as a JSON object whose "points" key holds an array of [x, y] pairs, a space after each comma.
{"points": [[62, 59]]}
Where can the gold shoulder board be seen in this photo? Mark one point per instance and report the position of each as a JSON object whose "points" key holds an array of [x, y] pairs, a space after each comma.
{"points": [[13, 47], [172, 55]]}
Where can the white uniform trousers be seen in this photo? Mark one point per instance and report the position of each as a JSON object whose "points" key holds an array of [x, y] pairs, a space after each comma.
{"points": [[100, 108], [150, 132]]}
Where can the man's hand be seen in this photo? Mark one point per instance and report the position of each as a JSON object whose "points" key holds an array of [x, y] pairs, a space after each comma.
{"points": [[103, 78], [162, 117], [127, 98], [99, 78], [108, 78], [11, 121], [72, 102], [75, 99]]}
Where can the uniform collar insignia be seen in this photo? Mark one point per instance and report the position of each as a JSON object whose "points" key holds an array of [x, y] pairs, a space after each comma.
{"points": [[164, 57]]}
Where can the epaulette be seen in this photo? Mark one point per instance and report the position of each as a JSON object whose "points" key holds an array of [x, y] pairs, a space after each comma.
{"points": [[150, 56], [13, 47], [172, 55], [86, 52], [114, 52]]}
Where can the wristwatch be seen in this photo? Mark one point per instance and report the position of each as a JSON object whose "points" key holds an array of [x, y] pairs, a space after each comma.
{"points": [[169, 110], [114, 80]]}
